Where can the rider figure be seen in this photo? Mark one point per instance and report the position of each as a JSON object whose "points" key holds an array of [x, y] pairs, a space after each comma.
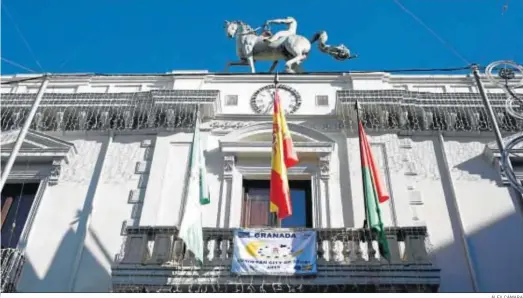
{"points": [[291, 30]]}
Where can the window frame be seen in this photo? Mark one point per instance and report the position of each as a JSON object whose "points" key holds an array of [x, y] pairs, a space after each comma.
{"points": [[28, 224], [305, 185]]}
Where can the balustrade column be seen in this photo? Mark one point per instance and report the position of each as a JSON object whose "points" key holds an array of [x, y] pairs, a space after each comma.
{"points": [[394, 249], [352, 251], [415, 249], [178, 247], [162, 249]]}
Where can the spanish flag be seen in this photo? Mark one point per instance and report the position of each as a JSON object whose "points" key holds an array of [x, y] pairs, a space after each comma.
{"points": [[283, 157]]}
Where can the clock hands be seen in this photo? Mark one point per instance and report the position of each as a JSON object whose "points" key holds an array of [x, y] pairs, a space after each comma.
{"points": [[262, 100], [271, 103]]}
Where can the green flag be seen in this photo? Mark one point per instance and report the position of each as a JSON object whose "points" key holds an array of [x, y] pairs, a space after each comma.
{"points": [[370, 191], [197, 195]]}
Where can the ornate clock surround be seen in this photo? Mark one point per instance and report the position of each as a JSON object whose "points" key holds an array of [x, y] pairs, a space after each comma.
{"points": [[287, 88]]}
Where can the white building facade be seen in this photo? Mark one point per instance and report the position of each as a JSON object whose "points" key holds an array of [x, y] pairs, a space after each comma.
{"points": [[99, 181]]}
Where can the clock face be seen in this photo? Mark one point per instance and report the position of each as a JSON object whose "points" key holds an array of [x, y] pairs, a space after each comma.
{"points": [[262, 100]]}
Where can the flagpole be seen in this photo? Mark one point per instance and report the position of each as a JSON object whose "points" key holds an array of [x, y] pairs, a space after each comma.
{"points": [[276, 82], [365, 221], [366, 226], [188, 172]]}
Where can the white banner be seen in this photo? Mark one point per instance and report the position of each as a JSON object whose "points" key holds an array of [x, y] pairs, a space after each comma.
{"points": [[274, 252]]}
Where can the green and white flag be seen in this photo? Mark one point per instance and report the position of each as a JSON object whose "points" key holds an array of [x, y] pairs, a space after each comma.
{"points": [[197, 195]]}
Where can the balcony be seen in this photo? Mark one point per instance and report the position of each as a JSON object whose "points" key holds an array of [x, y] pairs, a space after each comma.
{"points": [[12, 262], [153, 259]]}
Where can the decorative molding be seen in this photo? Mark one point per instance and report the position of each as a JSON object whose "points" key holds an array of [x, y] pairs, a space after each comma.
{"points": [[146, 143], [50, 152], [257, 170], [135, 196], [56, 171], [324, 166], [228, 166], [266, 147], [36, 145], [256, 128], [141, 167], [223, 126]]}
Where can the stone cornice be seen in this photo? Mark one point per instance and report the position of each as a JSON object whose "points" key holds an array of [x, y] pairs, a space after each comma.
{"points": [[312, 77], [266, 147]]}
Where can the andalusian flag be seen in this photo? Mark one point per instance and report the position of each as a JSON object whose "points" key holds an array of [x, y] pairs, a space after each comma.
{"points": [[197, 195], [283, 157], [372, 191]]}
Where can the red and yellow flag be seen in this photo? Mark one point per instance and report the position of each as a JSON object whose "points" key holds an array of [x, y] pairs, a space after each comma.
{"points": [[373, 192], [283, 156]]}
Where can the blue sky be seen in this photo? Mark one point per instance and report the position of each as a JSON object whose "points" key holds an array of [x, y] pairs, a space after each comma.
{"points": [[135, 36]]}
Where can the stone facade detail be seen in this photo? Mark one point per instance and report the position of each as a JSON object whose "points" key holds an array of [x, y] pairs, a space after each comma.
{"points": [[137, 195], [228, 166], [56, 171], [324, 166]]}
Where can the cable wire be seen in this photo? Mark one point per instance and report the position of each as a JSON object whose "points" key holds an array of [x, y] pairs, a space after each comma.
{"points": [[17, 64], [21, 36], [439, 38]]}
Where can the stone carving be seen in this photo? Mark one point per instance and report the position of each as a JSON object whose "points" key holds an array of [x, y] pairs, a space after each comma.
{"points": [[285, 45], [56, 171], [324, 165], [228, 166], [221, 126], [230, 125]]}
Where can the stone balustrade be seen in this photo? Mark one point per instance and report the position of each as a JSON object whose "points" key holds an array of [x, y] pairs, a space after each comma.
{"points": [[155, 257], [160, 246]]}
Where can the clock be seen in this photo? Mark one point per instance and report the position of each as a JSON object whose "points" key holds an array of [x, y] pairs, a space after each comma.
{"points": [[262, 100]]}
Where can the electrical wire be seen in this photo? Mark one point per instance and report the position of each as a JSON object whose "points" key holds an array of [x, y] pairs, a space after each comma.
{"points": [[436, 35], [22, 80], [17, 64], [21, 35]]}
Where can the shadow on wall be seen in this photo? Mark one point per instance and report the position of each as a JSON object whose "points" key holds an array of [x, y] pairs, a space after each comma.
{"points": [[57, 277], [345, 182], [497, 256], [214, 164], [476, 166]]}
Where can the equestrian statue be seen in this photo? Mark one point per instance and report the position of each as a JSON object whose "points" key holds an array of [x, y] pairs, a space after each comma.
{"points": [[285, 45]]}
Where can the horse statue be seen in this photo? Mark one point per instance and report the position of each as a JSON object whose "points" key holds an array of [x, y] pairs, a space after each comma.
{"points": [[286, 45]]}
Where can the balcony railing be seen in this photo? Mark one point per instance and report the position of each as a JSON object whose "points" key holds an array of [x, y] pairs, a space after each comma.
{"points": [[12, 261], [154, 257]]}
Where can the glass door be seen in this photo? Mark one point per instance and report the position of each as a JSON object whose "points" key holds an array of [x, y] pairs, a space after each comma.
{"points": [[255, 210]]}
